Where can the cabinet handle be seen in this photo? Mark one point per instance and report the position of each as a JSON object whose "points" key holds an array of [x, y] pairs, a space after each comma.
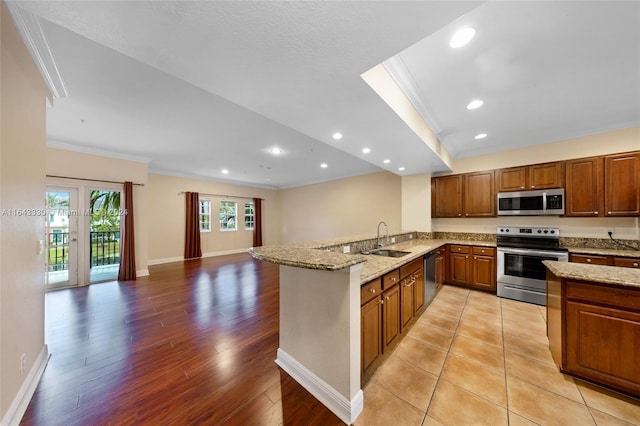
{"points": [[382, 301], [466, 257], [608, 212], [595, 213], [467, 214], [386, 298], [635, 264], [588, 260], [394, 279], [372, 290], [459, 214], [522, 187], [533, 186]]}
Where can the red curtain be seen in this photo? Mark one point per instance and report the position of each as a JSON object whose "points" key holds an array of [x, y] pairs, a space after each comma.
{"points": [[192, 247], [257, 222], [127, 269]]}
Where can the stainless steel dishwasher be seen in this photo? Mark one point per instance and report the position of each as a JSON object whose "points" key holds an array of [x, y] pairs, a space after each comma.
{"points": [[429, 276]]}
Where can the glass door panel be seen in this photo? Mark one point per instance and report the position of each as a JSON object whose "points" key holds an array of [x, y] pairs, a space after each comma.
{"points": [[61, 237]]}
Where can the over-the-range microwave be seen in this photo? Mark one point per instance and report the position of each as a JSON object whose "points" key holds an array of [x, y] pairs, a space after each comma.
{"points": [[531, 203]]}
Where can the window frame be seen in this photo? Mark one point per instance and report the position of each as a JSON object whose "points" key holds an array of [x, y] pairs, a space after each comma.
{"points": [[235, 215], [251, 215], [201, 214]]}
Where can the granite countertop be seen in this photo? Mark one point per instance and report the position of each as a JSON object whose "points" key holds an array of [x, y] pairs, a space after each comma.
{"points": [[604, 252], [596, 273], [304, 255]]}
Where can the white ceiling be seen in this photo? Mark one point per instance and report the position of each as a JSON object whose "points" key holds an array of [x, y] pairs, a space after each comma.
{"points": [[201, 86]]}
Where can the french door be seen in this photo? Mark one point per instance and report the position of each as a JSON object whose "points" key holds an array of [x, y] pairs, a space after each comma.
{"points": [[82, 241], [61, 237]]}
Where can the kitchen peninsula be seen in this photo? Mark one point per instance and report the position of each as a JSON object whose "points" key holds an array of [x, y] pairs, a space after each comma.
{"points": [[320, 307], [593, 323]]}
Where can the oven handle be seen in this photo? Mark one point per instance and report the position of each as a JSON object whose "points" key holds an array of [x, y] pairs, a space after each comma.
{"points": [[533, 252]]}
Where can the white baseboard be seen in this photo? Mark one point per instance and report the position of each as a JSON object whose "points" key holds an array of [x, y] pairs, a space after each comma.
{"points": [[20, 403], [346, 410], [142, 273], [180, 258]]}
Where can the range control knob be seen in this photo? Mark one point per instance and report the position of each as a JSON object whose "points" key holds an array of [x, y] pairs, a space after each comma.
{"points": [[553, 231], [546, 231], [539, 231]]}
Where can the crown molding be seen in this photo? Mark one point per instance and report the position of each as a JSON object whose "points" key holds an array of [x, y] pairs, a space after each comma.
{"points": [[96, 151], [30, 28]]}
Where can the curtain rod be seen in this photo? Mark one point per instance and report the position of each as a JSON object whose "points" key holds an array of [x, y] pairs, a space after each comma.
{"points": [[91, 180], [223, 195]]}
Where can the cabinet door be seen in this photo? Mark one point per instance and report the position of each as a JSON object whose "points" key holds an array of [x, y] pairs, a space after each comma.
{"points": [[418, 291], [484, 272], [479, 194], [511, 179], [603, 344], [391, 317], [446, 196], [406, 301], [547, 175], [622, 184], [584, 190], [459, 268], [371, 332]]}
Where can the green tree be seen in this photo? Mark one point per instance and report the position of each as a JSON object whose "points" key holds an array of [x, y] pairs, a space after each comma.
{"points": [[105, 210]]}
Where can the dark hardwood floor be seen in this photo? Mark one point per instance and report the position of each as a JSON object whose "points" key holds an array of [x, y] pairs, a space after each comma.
{"points": [[193, 343]]}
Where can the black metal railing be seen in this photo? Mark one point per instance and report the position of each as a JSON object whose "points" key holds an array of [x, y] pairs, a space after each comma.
{"points": [[58, 251], [104, 248]]}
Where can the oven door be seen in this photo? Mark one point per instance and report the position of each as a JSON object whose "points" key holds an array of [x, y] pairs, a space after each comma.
{"points": [[523, 267]]}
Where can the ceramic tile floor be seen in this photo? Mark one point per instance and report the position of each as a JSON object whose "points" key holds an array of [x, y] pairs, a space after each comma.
{"points": [[473, 359]]}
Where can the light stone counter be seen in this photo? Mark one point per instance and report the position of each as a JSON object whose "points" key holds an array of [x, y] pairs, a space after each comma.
{"points": [[305, 256], [604, 251], [595, 273]]}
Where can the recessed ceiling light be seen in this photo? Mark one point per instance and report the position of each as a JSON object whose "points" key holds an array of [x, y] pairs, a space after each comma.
{"points": [[386, 161], [276, 151], [480, 136], [225, 171], [401, 169], [476, 103], [461, 37], [324, 165], [337, 136], [366, 150]]}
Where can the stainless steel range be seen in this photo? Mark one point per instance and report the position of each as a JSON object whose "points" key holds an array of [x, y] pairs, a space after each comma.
{"points": [[521, 250]]}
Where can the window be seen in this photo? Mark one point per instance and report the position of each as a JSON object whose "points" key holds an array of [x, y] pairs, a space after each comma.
{"points": [[228, 214], [248, 215], [205, 216]]}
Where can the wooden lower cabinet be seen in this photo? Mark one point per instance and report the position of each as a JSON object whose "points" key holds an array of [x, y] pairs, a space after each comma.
{"points": [[594, 331], [624, 262], [389, 304], [371, 332], [391, 317], [473, 267]]}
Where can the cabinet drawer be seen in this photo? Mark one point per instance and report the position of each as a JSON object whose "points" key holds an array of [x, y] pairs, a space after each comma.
{"points": [[602, 295], [484, 251], [410, 267], [370, 290], [460, 249], [390, 279], [627, 262], [593, 260]]}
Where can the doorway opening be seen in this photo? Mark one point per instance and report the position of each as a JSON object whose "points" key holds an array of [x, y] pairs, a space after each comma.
{"points": [[104, 234]]}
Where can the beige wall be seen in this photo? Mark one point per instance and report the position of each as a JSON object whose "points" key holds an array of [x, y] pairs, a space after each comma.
{"points": [[61, 162], [339, 208], [22, 157], [416, 203], [599, 144], [167, 217]]}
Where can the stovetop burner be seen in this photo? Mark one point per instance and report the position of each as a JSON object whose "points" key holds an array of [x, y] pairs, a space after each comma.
{"points": [[531, 237]]}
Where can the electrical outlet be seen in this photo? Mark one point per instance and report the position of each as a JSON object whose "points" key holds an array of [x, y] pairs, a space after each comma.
{"points": [[23, 364], [410, 236], [393, 239], [346, 249]]}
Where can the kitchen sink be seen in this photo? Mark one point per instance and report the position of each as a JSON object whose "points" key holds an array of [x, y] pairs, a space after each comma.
{"points": [[387, 253]]}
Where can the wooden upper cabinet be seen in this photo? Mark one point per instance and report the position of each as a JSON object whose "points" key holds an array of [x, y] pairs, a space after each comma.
{"points": [[512, 179], [479, 194], [537, 176], [446, 196], [584, 190], [622, 184]]}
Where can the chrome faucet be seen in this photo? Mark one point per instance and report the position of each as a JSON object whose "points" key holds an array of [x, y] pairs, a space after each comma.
{"points": [[378, 234]]}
